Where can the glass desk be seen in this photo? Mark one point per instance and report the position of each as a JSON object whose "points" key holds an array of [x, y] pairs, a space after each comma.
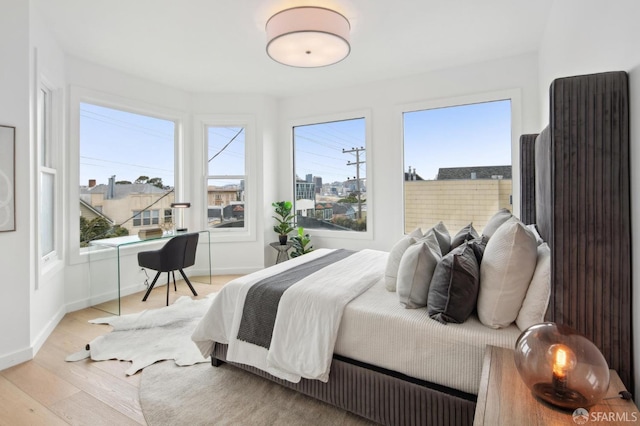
{"points": [[123, 252]]}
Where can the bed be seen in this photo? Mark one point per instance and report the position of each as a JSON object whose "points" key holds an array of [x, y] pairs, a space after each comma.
{"points": [[420, 371]]}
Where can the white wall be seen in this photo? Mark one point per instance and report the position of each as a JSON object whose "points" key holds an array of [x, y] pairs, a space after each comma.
{"points": [[589, 36], [15, 247], [48, 289], [385, 100]]}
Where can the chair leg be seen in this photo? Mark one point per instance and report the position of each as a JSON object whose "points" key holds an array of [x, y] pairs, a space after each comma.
{"points": [[188, 282], [168, 283], [174, 280], [144, 299]]}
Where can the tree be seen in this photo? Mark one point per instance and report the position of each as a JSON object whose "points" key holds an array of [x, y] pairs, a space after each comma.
{"points": [[352, 198], [98, 228], [156, 181]]}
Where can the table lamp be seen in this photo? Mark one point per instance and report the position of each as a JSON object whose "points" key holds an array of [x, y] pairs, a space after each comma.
{"points": [[561, 366], [178, 208]]}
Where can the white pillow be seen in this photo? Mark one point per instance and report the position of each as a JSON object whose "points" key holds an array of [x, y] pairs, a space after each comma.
{"points": [[496, 221], [415, 272], [393, 261], [505, 273], [536, 301], [535, 232]]}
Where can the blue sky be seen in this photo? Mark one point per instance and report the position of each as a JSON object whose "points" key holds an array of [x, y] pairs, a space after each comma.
{"points": [[460, 136], [130, 145], [123, 144], [319, 150]]}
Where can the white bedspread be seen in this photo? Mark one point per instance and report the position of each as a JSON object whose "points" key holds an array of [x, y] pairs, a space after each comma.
{"points": [[308, 318], [374, 329]]}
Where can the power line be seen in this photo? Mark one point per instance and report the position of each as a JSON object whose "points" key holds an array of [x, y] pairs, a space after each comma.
{"points": [[226, 145]]}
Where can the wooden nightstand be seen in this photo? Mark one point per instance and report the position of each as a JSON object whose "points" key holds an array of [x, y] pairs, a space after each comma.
{"points": [[503, 399]]}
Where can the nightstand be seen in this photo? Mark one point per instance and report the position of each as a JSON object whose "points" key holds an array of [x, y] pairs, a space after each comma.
{"points": [[282, 249], [503, 399]]}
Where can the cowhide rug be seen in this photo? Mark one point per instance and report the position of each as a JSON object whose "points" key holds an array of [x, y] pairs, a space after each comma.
{"points": [[150, 336]]}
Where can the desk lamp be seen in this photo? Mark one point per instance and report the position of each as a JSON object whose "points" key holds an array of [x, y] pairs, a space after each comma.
{"points": [[178, 208]]}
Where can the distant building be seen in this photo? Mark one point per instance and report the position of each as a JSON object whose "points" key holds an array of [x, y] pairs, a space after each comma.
{"points": [[479, 172], [412, 175], [305, 190], [317, 181], [133, 206]]}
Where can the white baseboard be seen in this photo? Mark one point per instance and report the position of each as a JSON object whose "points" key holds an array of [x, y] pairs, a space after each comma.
{"points": [[16, 358], [47, 330]]}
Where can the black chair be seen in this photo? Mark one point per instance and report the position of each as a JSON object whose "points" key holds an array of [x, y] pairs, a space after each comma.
{"points": [[178, 253]]}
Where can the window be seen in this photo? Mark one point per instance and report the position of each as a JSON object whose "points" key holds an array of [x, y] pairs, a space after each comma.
{"points": [[457, 165], [126, 171], [226, 181], [168, 216], [47, 175], [147, 217], [330, 175]]}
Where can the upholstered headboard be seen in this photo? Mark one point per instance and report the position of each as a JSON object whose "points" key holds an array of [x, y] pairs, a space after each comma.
{"points": [[582, 208]]}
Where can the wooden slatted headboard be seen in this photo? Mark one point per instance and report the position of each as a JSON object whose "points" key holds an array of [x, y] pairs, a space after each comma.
{"points": [[582, 208]]}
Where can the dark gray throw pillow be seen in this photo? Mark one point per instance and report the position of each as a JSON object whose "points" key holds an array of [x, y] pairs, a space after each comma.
{"points": [[442, 235], [465, 234], [478, 245], [454, 286]]}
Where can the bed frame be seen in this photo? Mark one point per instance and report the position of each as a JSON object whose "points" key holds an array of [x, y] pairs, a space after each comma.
{"points": [[582, 208], [575, 187]]}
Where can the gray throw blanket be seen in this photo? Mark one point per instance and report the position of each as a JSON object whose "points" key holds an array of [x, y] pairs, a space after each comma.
{"points": [[261, 303]]}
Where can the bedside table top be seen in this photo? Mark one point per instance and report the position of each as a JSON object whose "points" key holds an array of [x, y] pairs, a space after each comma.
{"points": [[504, 399]]}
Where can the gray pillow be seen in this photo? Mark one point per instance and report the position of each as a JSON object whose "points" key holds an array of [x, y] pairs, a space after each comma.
{"points": [[414, 274], [496, 220], [478, 245], [454, 287], [442, 236], [465, 234]]}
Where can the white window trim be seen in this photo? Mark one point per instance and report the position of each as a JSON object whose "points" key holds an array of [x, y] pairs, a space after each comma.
{"points": [[78, 95], [52, 261], [368, 144], [202, 122], [515, 95]]}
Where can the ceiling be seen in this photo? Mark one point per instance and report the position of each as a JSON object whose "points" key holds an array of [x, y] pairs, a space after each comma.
{"points": [[219, 45]]}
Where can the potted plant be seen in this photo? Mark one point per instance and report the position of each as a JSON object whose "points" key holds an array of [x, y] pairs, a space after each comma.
{"points": [[300, 243], [284, 219]]}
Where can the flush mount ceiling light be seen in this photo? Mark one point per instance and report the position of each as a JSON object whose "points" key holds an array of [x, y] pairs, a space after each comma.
{"points": [[308, 37]]}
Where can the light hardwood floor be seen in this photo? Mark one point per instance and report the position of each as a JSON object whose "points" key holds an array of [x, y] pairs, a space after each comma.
{"points": [[49, 391]]}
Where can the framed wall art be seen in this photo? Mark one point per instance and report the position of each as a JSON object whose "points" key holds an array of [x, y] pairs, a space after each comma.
{"points": [[7, 178]]}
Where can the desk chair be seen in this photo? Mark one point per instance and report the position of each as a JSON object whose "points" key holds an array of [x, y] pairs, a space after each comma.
{"points": [[178, 253]]}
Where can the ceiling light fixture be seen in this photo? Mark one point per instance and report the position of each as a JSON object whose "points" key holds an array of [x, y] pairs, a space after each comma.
{"points": [[308, 37]]}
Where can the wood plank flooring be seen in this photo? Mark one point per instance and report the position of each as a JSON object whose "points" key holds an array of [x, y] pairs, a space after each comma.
{"points": [[49, 391]]}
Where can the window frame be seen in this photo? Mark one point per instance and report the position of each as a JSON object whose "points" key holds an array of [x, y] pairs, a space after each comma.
{"points": [[247, 122], [370, 162], [514, 95], [79, 95]]}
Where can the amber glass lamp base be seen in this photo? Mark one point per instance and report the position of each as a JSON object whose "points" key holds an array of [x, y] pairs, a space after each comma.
{"points": [[567, 399], [561, 366]]}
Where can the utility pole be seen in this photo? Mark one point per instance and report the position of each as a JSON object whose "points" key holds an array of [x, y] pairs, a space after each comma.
{"points": [[357, 164]]}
